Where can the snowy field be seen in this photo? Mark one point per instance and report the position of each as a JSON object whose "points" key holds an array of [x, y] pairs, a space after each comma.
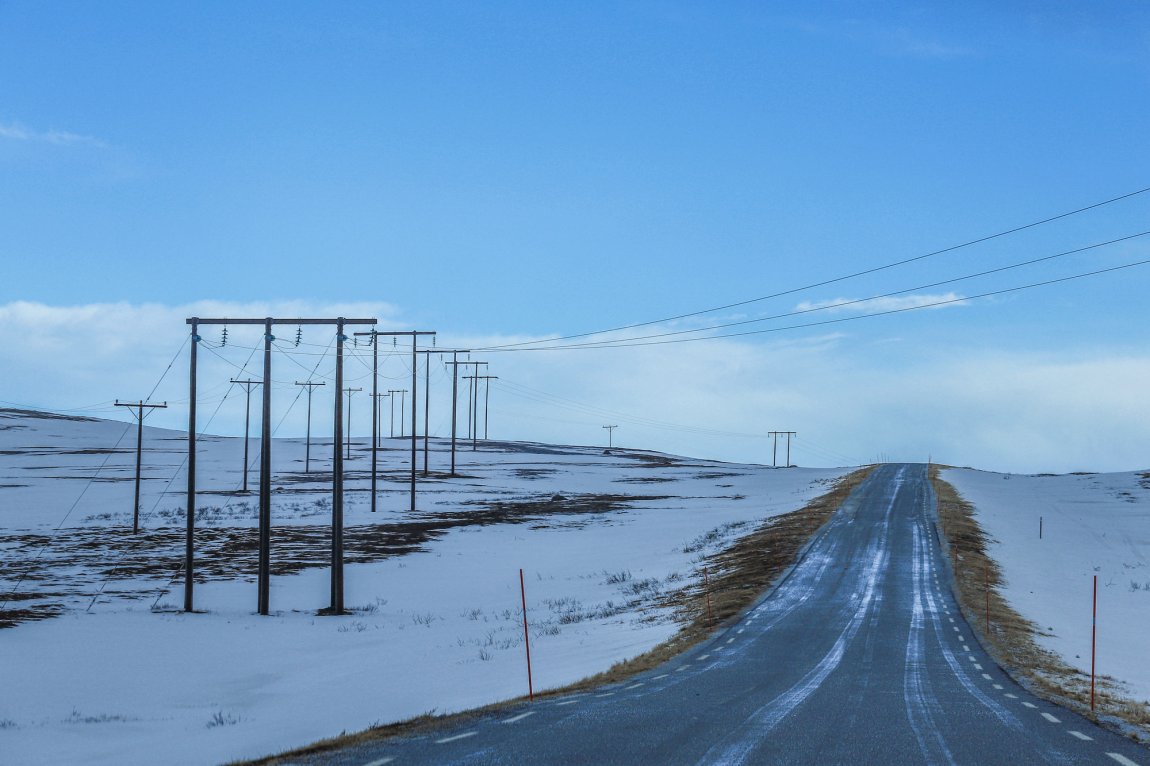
{"points": [[102, 668], [1092, 524]]}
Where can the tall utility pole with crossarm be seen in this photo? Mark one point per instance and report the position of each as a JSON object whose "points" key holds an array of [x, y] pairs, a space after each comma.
{"points": [[307, 450], [139, 407], [610, 436]]}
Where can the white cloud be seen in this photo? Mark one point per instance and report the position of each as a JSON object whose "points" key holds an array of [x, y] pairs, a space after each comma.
{"points": [[848, 395], [17, 132], [879, 305]]}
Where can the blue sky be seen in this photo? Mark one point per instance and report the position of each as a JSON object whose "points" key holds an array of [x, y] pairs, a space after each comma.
{"points": [[519, 170]]}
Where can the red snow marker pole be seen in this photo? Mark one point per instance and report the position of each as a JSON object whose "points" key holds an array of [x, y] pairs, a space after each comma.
{"points": [[707, 592], [1093, 638], [526, 637]]}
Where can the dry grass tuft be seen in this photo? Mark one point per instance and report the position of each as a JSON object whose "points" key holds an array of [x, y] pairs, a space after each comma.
{"points": [[1011, 638], [739, 574]]}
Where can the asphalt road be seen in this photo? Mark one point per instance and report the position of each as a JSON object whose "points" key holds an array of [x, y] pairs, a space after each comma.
{"points": [[859, 657]]}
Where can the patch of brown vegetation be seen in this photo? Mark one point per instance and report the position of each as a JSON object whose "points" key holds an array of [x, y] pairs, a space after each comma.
{"points": [[1010, 639], [738, 575]]}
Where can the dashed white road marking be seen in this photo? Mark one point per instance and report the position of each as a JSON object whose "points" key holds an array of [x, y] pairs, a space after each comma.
{"points": [[1011, 696], [665, 675], [979, 667], [380, 762], [1050, 718], [987, 677], [950, 618], [955, 628], [606, 694], [633, 686], [1027, 704], [997, 686], [971, 657], [567, 702], [1122, 759], [965, 648], [519, 717], [1081, 736], [705, 656], [741, 630], [464, 735], [681, 668]]}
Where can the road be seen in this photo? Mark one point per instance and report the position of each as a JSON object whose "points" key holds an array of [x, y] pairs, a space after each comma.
{"points": [[859, 657]]}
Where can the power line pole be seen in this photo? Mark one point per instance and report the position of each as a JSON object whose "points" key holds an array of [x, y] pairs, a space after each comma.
{"points": [[454, 398], [610, 436], [414, 395], [470, 410], [349, 392], [392, 392], [402, 398], [140, 405], [487, 400], [248, 386], [775, 451], [307, 450], [264, 577]]}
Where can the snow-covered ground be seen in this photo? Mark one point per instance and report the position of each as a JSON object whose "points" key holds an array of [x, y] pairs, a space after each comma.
{"points": [[1092, 524], [120, 676]]}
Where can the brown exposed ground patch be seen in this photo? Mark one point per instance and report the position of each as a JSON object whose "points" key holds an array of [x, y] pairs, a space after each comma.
{"points": [[1011, 637], [738, 575]]}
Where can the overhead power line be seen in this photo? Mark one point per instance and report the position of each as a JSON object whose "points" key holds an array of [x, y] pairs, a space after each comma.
{"points": [[833, 280], [630, 343], [858, 301]]}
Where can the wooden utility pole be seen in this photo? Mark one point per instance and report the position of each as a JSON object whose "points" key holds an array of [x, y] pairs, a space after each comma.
{"points": [[775, 452], [487, 400], [307, 450], [392, 392], [472, 389], [248, 386], [264, 577], [414, 373], [454, 398], [611, 436], [139, 406], [349, 392]]}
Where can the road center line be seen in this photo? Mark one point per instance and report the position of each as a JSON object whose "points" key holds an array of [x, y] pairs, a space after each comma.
{"points": [[1050, 718], [519, 717], [987, 677], [1081, 736], [997, 686], [567, 702], [633, 686], [1122, 759], [665, 675], [1011, 696], [705, 656], [464, 735], [1027, 704], [380, 762]]}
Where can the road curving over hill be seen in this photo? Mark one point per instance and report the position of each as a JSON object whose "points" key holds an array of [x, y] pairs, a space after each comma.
{"points": [[859, 656]]}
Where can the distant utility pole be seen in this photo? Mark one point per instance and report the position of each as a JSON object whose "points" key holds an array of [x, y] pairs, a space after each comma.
{"points": [[403, 398], [264, 575], [349, 392], [775, 452], [610, 436], [248, 386], [426, 398], [414, 394], [392, 392], [487, 400], [307, 450], [471, 391], [139, 413]]}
